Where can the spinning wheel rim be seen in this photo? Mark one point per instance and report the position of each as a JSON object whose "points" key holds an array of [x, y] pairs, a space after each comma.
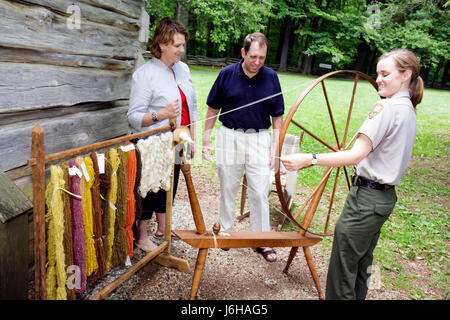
{"points": [[286, 123]]}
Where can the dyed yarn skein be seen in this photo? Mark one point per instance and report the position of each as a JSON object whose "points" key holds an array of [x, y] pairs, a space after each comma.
{"points": [[120, 236], [113, 159], [68, 246], [91, 259], [131, 202], [56, 274], [97, 221], [79, 239]]}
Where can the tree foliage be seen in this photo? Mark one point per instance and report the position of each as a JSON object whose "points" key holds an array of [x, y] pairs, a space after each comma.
{"points": [[304, 33]]}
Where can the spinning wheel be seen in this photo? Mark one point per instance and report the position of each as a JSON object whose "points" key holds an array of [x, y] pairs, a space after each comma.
{"points": [[341, 127], [204, 240]]}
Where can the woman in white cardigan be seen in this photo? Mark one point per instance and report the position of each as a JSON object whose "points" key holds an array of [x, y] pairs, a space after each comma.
{"points": [[162, 89]]}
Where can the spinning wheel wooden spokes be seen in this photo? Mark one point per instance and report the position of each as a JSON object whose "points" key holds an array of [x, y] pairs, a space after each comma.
{"points": [[337, 133]]}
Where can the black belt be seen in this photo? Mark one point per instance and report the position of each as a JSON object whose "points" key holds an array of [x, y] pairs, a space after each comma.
{"points": [[244, 130], [362, 182]]}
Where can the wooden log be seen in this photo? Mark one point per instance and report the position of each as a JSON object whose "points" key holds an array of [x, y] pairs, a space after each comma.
{"points": [[55, 112], [61, 133], [33, 86], [21, 55], [34, 27], [90, 12], [130, 8]]}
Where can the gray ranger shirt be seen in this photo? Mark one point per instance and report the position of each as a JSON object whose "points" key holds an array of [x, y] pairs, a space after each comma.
{"points": [[391, 126]]}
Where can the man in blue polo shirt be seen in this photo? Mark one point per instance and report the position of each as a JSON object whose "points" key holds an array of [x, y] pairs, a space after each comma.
{"points": [[248, 94]]}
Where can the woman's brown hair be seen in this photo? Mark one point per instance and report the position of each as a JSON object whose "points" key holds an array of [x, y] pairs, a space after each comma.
{"points": [[407, 60], [164, 33]]}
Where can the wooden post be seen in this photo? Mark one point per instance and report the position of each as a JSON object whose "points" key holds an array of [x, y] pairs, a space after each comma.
{"points": [[38, 174], [169, 198], [195, 206]]}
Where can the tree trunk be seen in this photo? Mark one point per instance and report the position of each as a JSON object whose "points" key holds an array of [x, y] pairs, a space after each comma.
{"points": [[314, 23], [285, 48], [182, 15], [445, 75], [300, 54], [437, 71], [362, 57]]}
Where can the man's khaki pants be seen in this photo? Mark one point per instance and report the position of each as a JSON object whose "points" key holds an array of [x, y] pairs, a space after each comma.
{"points": [[236, 152]]}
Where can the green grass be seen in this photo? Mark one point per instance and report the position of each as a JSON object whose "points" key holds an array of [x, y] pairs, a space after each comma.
{"points": [[417, 232]]}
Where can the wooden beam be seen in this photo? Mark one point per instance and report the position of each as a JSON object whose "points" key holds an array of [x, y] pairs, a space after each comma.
{"points": [[132, 270], [246, 239]]}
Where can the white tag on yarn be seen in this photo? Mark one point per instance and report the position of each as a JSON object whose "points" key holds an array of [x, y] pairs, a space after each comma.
{"points": [[128, 262], [112, 206], [75, 171], [128, 147], [85, 173], [101, 163]]}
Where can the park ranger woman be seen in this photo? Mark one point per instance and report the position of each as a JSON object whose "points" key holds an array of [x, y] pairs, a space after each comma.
{"points": [[381, 154]]}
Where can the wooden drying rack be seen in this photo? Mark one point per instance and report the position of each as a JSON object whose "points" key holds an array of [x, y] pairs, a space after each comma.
{"points": [[38, 161]]}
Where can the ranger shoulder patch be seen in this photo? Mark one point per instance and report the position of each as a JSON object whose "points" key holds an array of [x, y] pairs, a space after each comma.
{"points": [[376, 110]]}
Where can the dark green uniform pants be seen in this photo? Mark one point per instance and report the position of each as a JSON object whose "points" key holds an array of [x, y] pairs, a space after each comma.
{"points": [[355, 237]]}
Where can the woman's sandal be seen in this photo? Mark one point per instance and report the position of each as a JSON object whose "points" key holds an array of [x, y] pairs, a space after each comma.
{"points": [[146, 246], [265, 252]]}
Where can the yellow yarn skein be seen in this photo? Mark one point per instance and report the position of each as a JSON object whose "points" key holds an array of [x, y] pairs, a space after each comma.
{"points": [[114, 160], [91, 263], [56, 274]]}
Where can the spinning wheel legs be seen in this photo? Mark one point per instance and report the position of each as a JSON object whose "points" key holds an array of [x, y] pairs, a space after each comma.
{"points": [[201, 258], [311, 266]]}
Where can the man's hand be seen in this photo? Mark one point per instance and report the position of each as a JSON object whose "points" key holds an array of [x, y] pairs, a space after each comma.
{"points": [[272, 159], [207, 151]]}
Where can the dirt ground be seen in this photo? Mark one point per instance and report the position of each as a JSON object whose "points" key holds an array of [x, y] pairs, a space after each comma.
{"points": [[238, 274]]}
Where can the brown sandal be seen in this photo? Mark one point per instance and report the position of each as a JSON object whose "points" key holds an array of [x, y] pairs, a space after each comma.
{"points": [[265, 252]]}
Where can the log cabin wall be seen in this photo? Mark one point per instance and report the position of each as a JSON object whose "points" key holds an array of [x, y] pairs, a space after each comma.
{"points": [[74, 80], [66, 65]]}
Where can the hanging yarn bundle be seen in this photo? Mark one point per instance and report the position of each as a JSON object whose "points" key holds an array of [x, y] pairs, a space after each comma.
{"points": [[131, 202], [97, 221], [137, 197], [67, 225], [120, 236], [78, 240], [91, 259], [110, 217], [56, 275], [157, 159]]}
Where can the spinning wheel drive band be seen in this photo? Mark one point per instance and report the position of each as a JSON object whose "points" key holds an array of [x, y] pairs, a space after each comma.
{"points": [[340, 141]]}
